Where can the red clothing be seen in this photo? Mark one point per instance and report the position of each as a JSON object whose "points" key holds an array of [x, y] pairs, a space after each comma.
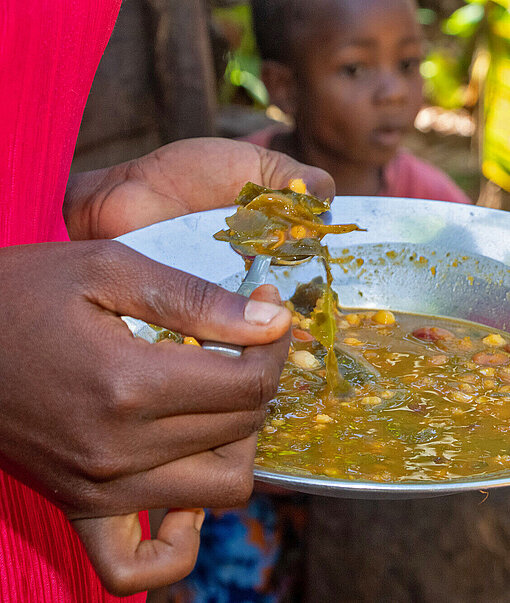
{"points": [[404, 176], [49, 52]]}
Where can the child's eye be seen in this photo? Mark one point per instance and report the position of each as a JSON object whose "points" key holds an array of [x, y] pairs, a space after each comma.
{"points": [[410, 65], [352, 70]]}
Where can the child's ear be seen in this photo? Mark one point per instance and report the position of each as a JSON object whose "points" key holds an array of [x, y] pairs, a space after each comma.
{"points": [[281, 85]]}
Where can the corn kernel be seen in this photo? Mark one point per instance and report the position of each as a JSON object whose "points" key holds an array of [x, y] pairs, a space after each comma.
{"points": [[305, 323], [289, 305], [353, 319], [297, 185], [488, 371], [494, 340], [191, 341], [298, 231], [384, 317]]}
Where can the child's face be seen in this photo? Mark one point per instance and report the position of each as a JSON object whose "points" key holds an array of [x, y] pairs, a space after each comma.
{"points": [[359, 86]]}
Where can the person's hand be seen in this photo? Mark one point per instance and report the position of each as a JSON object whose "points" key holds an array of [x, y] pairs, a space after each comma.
{"points": [[182, 177], [104, 424]]}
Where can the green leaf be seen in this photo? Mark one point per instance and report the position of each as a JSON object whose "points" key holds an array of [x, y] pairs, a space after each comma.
{"points": [[324, 328], [444, 79], [250, 191], [496, 135], [465, 20]]}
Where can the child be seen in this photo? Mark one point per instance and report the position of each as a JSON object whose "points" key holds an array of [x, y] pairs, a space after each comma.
{"points": [[347, 72]]}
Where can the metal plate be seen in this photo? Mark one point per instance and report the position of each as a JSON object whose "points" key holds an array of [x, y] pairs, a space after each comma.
{"points": [[418, 256]]}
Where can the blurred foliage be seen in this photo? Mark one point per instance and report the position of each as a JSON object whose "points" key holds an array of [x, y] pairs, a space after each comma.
{"points": [[243, 61], [475, 71]]}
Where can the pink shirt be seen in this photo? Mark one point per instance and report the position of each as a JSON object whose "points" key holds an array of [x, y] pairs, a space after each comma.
{"points": [[49, 52], [404, 176]]}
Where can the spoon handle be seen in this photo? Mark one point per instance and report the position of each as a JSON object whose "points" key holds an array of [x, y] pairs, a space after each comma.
{"points": [[255, 277]]}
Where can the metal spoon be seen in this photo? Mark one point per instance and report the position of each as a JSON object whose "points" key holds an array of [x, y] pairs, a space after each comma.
{"points": [[256, 276]]}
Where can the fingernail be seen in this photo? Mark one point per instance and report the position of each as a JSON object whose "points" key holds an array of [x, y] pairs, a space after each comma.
{"points": [[199, 519], [260, 313]]}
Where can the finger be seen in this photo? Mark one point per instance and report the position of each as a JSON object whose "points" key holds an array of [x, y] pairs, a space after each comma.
{"points": [[173, 413], [128, 283], [158, 380], [215, 478], [267, 293], [126, 564], [277, 169], [214, 159], [165, 440]]}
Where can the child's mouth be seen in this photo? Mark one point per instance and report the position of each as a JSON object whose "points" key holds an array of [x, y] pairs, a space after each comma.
{"points": [[387, 136]]}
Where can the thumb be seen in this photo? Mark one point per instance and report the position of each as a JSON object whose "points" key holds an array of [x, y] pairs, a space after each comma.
{"points": [[132, 284], [126, 564], [277, 169]]}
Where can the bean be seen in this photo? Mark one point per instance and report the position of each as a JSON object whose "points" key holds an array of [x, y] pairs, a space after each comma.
{"points": [[491, 359], [300, 335], [433, 334]]}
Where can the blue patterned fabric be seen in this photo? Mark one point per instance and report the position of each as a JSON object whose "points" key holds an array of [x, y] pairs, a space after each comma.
{"points": [[239, 549]]}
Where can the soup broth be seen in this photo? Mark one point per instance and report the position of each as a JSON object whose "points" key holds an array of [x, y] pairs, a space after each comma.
{"points": [[431, 401]]}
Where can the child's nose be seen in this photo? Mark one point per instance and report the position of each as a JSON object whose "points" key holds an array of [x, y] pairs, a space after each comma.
{"points": [[391, 89]]}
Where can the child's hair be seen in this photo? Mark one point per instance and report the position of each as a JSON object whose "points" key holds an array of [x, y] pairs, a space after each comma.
{"points": [[281, 26], [277, 24]]}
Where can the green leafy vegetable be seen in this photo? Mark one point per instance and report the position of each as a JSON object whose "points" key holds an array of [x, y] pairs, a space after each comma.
{"points": [[280, 223]]}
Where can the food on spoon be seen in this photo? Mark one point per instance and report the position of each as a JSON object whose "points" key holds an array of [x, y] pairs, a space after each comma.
{"points": [[283, 223], [286, 224]]}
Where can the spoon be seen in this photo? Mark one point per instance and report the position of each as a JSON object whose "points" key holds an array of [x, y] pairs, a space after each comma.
{"points": [[256, 276]]}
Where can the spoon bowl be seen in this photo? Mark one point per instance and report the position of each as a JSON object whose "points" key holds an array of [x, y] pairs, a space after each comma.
{"points": [[256, 276], [247, 254]]}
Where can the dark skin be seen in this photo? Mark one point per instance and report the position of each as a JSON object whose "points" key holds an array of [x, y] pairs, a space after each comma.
{"points": [[353, 87], [105, 425]]}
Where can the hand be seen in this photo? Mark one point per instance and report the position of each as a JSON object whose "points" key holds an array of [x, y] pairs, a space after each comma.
{"points": [[180, 178], [104, 424]]}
